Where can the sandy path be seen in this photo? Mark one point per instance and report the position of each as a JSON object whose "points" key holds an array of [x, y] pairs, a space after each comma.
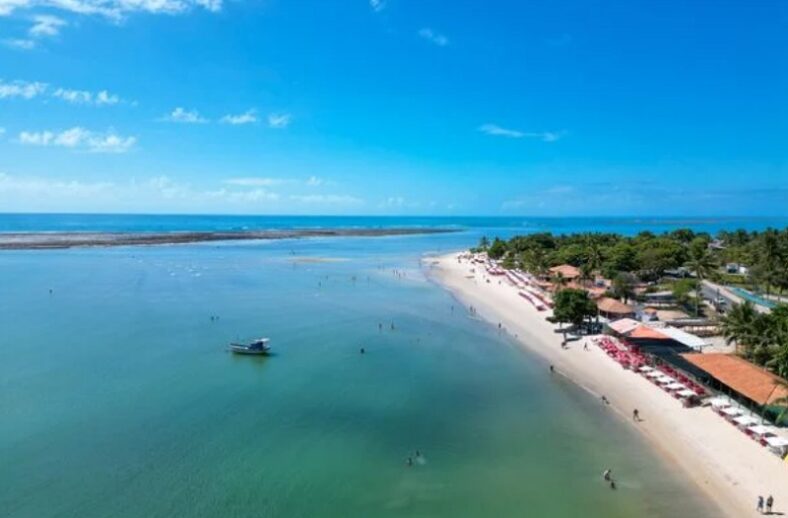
{"points": [[731, 468]]}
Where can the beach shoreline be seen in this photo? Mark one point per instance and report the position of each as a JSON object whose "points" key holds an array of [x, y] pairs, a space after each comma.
{"points": [[61, 240], [728, 467]]}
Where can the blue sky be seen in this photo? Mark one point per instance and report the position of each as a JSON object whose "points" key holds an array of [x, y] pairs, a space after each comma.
{"points": [[394, 107]]}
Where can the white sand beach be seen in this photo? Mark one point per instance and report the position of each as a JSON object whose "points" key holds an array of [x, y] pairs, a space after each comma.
{"points": [[730, 467]]}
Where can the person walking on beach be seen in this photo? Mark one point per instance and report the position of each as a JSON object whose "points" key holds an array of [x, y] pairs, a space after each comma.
{"points": [[769, 504], [759, 507], [585, 346], [636, 415]]}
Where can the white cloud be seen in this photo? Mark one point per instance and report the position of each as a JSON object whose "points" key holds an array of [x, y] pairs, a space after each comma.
{"points": [[549, 136], [19, 43], [314, 181], [250, 196], [377, 5], [106, 98], [23, 89], [79, 138], [436, 38], [494, 129], [2, 131], [157, 194], [73, 96], [115, 10], [498, 131], [393, 201], [46, 25], [254, 181], [326, 199], [182, 115], [42, 138], [279, 120], [14, 188], [7, 6], [248, 117], [31, 89], [102, 98]]}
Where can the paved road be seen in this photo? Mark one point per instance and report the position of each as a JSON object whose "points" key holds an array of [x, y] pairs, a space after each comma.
{"points": [[712, 290]]}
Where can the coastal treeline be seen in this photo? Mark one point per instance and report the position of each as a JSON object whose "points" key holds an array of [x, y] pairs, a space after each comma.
{"points": [[760, 260], [648, 256]]}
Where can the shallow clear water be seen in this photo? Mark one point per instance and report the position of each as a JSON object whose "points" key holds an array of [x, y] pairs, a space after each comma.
{"points": [[118, 398]]}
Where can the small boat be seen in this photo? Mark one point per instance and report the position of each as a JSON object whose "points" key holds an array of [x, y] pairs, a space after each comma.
{"points": [[259, 346]]}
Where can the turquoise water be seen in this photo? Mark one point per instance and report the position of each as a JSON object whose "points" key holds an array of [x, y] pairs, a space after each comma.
{"points": [[118, 398], [752, 297]]}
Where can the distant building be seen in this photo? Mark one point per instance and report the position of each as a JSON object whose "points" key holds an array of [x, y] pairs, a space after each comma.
{"points": [[567, 271], [613, 309], [736, 268]]}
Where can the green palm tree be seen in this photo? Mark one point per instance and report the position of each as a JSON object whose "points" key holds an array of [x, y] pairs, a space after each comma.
{"points": [[594, 256], [535, 261], [703, 263], [586, 273], [738, 327], [771, 257]]}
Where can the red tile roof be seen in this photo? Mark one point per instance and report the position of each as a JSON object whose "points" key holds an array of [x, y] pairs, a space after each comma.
{"points": [[608, 305], [746, 378]]}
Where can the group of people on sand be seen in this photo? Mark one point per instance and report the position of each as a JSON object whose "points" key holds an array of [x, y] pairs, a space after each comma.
{"points": [[765, 505]]}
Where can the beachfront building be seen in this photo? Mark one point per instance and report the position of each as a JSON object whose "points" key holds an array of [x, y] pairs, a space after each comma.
{"points": [[656, 338], [659, 298], [613, 309], [565, 271], [743, 381]]}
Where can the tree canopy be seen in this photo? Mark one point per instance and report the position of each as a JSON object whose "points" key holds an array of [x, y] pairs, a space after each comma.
{"points": [[573, 306], [649, 255]]}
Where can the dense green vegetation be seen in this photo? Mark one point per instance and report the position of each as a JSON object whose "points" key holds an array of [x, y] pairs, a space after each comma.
{"points": [[648, 255], [760, 337], [573, 306]]}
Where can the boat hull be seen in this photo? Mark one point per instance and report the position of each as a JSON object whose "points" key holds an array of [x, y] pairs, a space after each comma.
{"points": [[249, 353], [235, 349]]}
